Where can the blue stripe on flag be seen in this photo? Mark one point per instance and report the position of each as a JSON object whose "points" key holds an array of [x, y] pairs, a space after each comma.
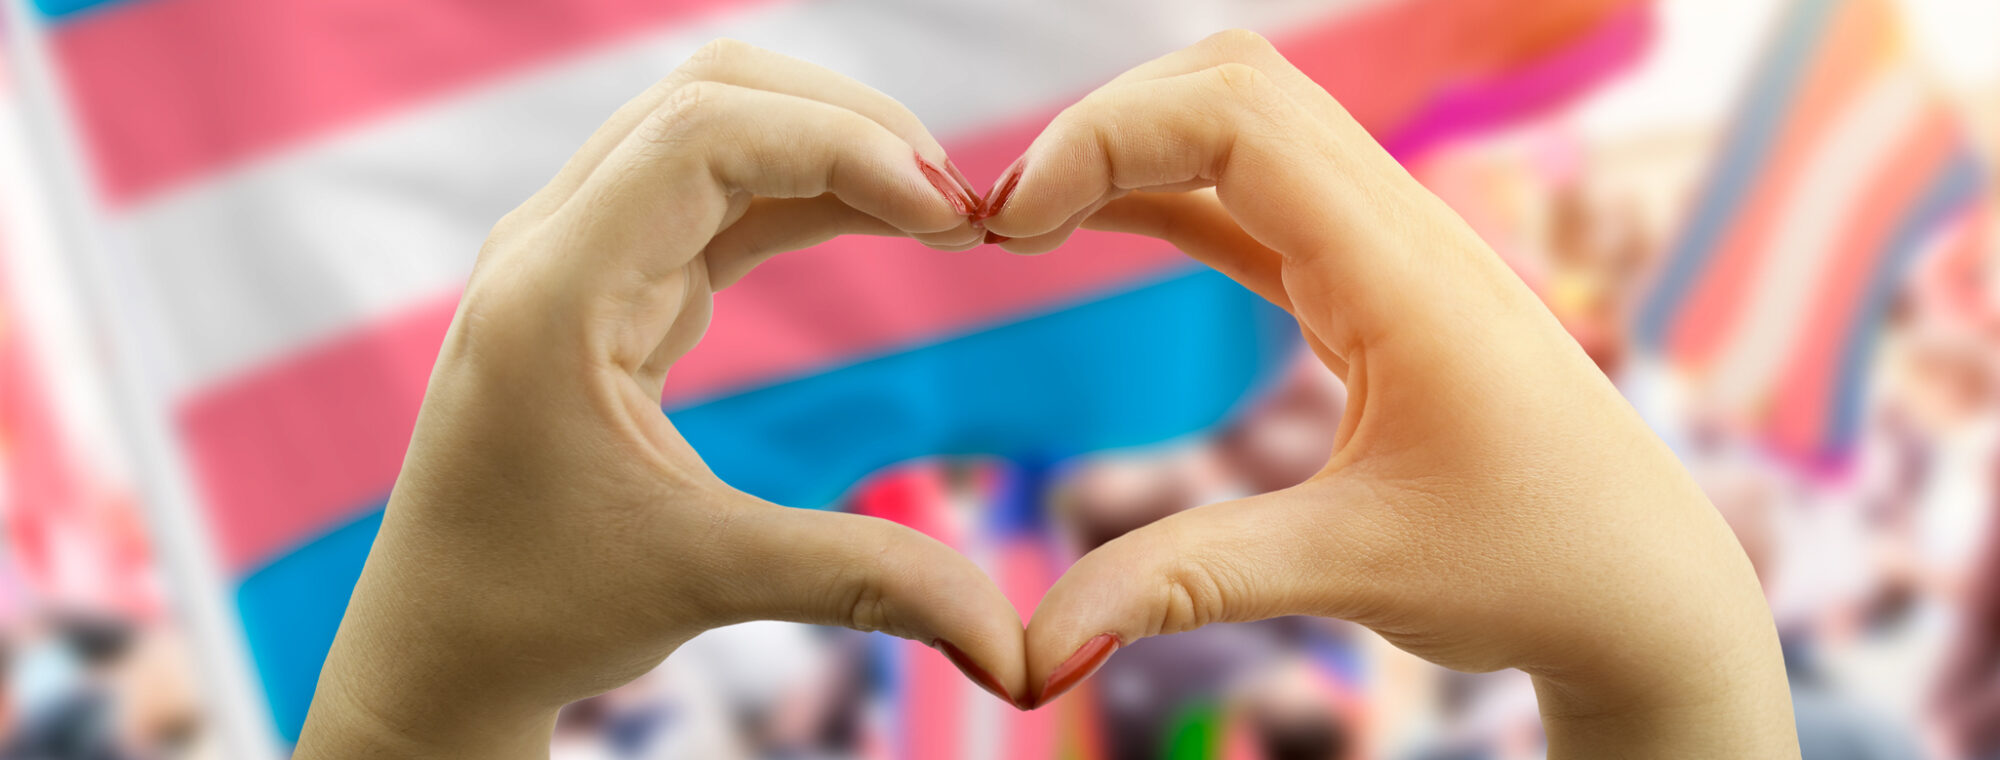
{"points": [[290, 610], [1163, 360], [61, 9], [1958, 186], [1741, 161]]}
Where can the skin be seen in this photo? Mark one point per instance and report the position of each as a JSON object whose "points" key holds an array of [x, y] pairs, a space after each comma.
{"points": [[1491, 501]]}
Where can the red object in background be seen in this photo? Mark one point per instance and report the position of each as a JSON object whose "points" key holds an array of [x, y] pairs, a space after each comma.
{"points": [[78, 540]]}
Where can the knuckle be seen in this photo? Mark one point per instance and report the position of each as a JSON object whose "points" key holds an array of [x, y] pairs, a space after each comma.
{"points": [[867, 586], [681, 114], [1245, 82], [1084, 122], [904, 123], [1240, 44], [867, 608], [506, 228], [1190, 597], [719, 53], [1187, 588]]}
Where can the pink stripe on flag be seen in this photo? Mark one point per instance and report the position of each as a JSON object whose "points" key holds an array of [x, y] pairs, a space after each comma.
{"points": [[934, 703], [1025, 570], [169, 89], [301, 446], [1852, 47], [1542, 85]]}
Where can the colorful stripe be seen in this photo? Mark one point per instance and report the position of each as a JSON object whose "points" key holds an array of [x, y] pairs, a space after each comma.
{"points": [[169, 90], [1852, 49], [1844, 164], [291, 449], [131, 76], [1955, 190], [1842, 170], [1617, 43], [1737, 167]]}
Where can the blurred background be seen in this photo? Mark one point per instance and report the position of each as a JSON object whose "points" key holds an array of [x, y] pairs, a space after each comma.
{"points": [[232, 233]]}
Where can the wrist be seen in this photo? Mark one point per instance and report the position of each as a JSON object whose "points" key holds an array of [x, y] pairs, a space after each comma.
{"points": [[400, 683], [1724, 701], [347, 724]]}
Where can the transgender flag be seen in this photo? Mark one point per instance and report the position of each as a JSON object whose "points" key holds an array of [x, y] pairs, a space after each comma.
{"points": [[283, 199], [1842, 168]]}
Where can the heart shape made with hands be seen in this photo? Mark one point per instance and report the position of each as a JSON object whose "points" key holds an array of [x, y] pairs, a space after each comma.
{"points": [[1438, 521], [1239, 160], [1490, 499], [1220, 151]]}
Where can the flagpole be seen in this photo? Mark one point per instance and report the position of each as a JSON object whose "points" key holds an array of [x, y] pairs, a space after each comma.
{"points": [[234, 708]]}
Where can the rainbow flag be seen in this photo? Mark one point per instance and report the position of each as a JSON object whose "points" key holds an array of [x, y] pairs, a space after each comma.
{"points": [[289, 196], [1843, 167]]}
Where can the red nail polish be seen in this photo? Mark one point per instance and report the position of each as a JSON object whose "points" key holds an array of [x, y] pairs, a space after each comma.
{"points": [[973, 671], [992, 239], [960, 202], [997, 197], [959, 176], [1087, 660]]}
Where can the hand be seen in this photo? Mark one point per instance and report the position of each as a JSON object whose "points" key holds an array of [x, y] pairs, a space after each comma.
{"points": [[1490, 502], [551, 535]]}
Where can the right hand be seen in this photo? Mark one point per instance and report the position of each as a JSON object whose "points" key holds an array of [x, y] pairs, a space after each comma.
{"points": [[1491, 501]]}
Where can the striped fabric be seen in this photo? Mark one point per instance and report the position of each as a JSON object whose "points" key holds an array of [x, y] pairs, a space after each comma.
{"points": [[1842, 167], [291, 193]]}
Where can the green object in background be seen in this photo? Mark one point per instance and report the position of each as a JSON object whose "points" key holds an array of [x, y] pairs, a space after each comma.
{"points": [[1196, 733]]}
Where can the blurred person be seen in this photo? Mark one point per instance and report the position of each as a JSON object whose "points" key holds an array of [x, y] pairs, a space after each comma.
{"points": [[158, 705], [551, 536], [1926, 496], [1967, 694], [1483, 716], [1832, 725], [1279, 442], [1967, 698], [61, 682], [1290, 711]]}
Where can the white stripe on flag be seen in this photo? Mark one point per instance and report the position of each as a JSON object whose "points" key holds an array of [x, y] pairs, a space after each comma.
{"points": [[317, 240], [1836, 180]]}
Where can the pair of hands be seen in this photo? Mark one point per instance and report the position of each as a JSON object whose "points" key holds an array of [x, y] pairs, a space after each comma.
{"points": [[1491, 501]]}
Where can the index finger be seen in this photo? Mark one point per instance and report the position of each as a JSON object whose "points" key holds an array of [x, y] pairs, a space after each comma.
{"points": [[1362, 247], [730, 62]]}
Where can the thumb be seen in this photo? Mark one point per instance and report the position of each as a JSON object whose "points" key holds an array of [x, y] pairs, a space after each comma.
{"points": [[869, 574], [1266, 556]]}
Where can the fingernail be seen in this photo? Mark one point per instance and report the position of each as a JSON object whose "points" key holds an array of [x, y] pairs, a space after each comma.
{"points": [[1087, 660], [996, 198], [959, 176], [973, 671], [978, 223], [960, 201], [992, 239]]}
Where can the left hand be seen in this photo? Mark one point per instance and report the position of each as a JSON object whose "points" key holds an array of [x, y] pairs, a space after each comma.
{"points": [[551, 535]]}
